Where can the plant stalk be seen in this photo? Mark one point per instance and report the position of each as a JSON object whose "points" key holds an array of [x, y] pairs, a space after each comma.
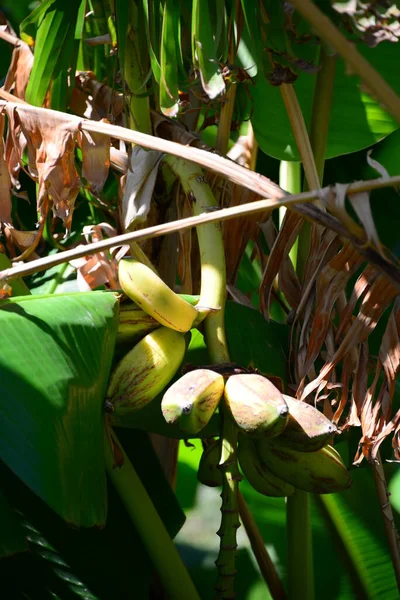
{"points": [[391, 533], [146, 520], [299, 547], [135, 72]]}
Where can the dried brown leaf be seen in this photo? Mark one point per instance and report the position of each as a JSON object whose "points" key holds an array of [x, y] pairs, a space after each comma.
{"points": [[363, 283], [51, 158], [97, 269], [377, 299], [286, 237], [139, 187], [20, 69], [331, 283], [95, 158], [389, 354]]}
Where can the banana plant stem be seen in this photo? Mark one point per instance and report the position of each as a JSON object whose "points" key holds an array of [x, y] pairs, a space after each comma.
{"points": [[229, 508], [146, 520], [391, 533], [299, 547]]}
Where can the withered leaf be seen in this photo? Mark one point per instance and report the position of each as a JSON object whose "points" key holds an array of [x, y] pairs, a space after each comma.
{"points": [[20, 69], [95, 158], [50, 156]]}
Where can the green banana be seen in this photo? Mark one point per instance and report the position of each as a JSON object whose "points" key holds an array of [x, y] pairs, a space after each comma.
{"points": [[150, 293], [208, 472], [145, 370], [307, 429], [256, 472], [134, 323], [191, 401], [321, 472], [256, 405]]}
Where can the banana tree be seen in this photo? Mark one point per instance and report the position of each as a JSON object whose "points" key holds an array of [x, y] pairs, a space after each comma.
{"points": [[158, 129]]}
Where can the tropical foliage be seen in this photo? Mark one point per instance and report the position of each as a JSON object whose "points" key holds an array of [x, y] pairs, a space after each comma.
{"points": [[246, 149]]}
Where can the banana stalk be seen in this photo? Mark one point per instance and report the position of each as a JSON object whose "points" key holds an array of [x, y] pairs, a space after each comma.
{"points": [[212, 296]]}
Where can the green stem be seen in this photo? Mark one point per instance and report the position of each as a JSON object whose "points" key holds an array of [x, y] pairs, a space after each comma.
{"points": [[299, 547], [229, 507], [136, 69], [290, 180], [146, 520]]}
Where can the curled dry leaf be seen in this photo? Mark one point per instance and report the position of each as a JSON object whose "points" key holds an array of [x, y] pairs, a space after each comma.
{"points": [[140, 182], [95, 158], [377, 299], [50, 158], [287, 277], [331, 283], [95, 100], [285, 239], [97, 269], [19, 71]]}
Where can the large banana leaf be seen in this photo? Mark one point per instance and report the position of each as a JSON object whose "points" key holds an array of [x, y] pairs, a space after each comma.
{"points": [[357, 120], [55, 358], [95, 564]]}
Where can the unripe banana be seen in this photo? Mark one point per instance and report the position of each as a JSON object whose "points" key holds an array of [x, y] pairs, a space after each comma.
{"points": [[256, 472], [191, 401], [308, 429], [145, 370], [209, 472], [256, 405], [151, 294], [134, 323], [321, 472]]}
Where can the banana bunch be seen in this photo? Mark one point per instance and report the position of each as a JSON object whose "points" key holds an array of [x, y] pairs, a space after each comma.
{"points": [[157, 322]]}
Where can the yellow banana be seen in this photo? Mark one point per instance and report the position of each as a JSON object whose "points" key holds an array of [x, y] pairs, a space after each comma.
{"points": [[322, 472], [256, 405], [134, 323], [145, 370], [256, 472], [307, 429], [208, 472], [151, 294], [191, 401]]}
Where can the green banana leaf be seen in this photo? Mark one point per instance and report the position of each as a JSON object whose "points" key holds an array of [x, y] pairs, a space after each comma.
{"points": [[357, 120], [56, 51], [55, 359]]}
